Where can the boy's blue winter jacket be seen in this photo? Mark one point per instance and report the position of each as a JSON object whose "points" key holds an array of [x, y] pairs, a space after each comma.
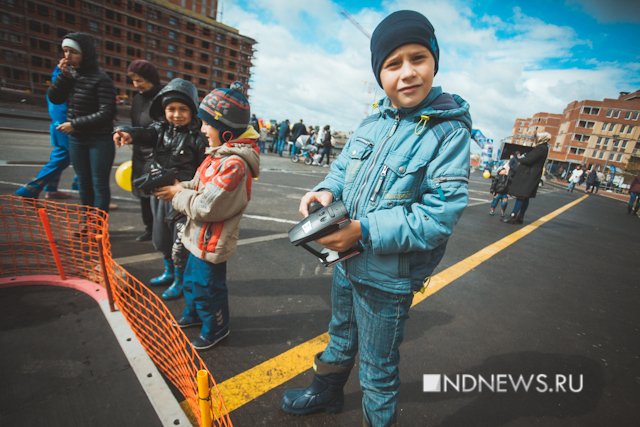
{"points": [[404, 175]]}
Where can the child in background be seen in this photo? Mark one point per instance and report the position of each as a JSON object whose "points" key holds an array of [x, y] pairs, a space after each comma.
{"points": [[499, 189], [177, 144], [214, 201]]}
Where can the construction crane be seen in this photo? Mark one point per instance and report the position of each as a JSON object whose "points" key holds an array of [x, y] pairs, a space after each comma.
{"points": [[355, 23]]}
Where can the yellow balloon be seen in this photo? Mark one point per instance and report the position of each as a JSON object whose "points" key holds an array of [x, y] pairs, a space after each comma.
{"points": [[123, 175], [486, 174]]}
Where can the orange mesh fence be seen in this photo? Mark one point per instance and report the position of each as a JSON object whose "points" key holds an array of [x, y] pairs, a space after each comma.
{"points": [[43, 237]]}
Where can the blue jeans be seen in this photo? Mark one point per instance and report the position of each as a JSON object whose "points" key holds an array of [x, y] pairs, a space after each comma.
{"points": [[58, 160], [366, 319], [634, 201], [571, 186], [92, 158], [282, 141], [503, 199], [205, 295], [520, 207]]}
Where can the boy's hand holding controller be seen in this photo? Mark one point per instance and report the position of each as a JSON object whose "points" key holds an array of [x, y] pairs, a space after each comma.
{"points": [[168, 192], [340, 240]]}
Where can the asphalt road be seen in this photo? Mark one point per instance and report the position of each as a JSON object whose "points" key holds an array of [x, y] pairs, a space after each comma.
{"points": [[560, 300]]}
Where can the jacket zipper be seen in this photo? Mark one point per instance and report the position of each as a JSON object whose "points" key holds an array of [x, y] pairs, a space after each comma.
{"points": [[373, 165], [383, 174], [447, 179]]}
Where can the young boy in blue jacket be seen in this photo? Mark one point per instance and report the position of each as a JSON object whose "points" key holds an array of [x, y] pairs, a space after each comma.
{"points": [[403, 177]]}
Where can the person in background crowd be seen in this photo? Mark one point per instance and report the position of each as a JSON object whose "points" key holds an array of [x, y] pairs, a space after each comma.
{"points": [[145, 78], [297, 130], [574, 179], [283, 134], [592, 178], [49, 176], [326, 145], [634, 195], [91, 97], [525, 181], [499, 189]]}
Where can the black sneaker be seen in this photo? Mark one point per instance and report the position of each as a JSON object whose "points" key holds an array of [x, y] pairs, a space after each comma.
{"points": [[201, 343], [183, 322], [144, 237]]}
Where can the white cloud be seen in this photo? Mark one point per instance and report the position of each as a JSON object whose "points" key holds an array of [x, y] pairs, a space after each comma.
{"points": [[319, 69]]}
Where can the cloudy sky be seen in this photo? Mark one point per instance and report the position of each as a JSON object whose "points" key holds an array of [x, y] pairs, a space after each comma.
{"points": [[509, 59]]}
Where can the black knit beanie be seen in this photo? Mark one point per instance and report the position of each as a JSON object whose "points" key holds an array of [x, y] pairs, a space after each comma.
{"points": [[400, 28]]}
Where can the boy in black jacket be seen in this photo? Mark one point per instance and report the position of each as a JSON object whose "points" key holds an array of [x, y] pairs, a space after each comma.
{"points": [[177, 144], [499, 189]]}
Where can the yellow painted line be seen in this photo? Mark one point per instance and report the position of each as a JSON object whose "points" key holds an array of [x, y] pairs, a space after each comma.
{"points": [[255, 382]]}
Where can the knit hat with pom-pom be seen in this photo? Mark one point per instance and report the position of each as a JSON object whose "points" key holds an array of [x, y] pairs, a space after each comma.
{"points": [[226, 109]]}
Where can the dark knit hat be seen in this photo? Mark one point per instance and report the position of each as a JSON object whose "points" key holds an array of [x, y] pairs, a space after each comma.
{"points": [[146, 70], [400, 28], [226, 110]]}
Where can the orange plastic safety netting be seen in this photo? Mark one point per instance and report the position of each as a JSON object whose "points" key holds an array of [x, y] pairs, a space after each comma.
{"points": [[43, 237]]}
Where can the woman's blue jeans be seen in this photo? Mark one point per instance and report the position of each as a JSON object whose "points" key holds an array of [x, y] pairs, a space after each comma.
{"points": [[206, 296], [520, 207], [369, 320], [92, 159]]}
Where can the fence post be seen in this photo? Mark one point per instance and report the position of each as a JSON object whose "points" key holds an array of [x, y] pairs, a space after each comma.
{"points": [[44, 218], [204, 398], [105, 276]]}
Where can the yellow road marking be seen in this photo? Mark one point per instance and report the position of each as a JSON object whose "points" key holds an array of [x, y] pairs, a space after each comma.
{"points": [[254, 382]]}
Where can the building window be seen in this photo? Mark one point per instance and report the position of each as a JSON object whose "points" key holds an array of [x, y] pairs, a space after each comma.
{"points": [[170, 74], [623, 144], [595, 154], [614, 114], [190, 39], [585, 124], [591, 110], [217, 61], [203, 69], [619, 158], [629, 129], [188, 65], [187, 77], [191, 26], [204, 57], [173, 21], [172, 35], [171, 62], [93, 26], [202, 82], [171, 48], [635, 115], [188, 52], [205, 44], [601, 155], [580, 137]]}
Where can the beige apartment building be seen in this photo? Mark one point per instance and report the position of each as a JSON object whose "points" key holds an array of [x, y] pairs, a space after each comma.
{"points": [[591, 133], [180, 37]]}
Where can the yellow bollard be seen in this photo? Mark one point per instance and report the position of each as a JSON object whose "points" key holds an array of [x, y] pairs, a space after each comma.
{"points": [[204, 398]]}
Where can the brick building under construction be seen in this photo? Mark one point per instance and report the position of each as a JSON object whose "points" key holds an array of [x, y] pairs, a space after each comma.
{"points": [[182, 38]]}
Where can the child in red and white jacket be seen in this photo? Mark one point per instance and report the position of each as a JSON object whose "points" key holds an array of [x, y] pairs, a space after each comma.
{"points": [[214, 201]]}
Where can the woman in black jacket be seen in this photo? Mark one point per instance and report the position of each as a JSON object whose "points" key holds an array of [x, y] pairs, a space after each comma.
{"points": [[90, 95], [524, 183], [145, 78]]}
